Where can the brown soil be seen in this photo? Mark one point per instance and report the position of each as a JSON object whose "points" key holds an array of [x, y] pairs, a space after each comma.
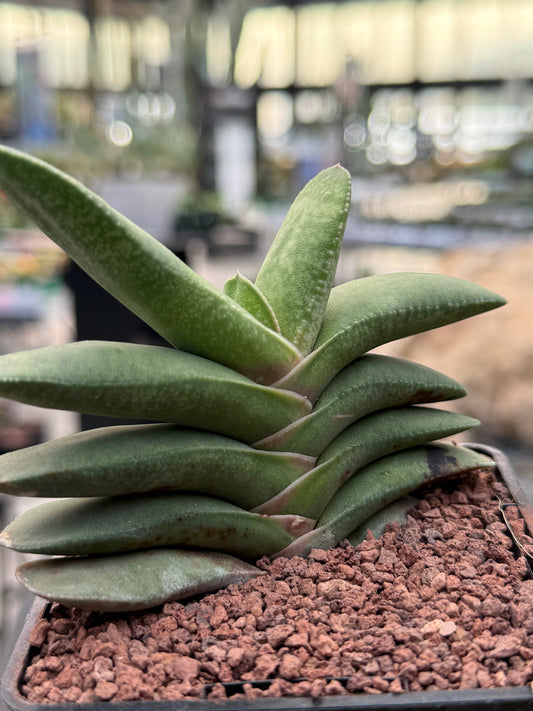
{"points": [[442, 602]]}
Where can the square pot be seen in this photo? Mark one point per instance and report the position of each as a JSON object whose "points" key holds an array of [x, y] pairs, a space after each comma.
{"points": [[496, 699]]}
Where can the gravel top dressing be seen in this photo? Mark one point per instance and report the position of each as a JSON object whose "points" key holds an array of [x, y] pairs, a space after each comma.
{"points": [[441, 602]]}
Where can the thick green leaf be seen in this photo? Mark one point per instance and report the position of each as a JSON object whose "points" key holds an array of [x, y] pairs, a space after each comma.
{"points": [[365, 313], [245, 293], [110, 461], [132, 581], [297, 274], [148, 382], [143, 274], [370, 383], [382, 482], [114, 525], [368, 439]]}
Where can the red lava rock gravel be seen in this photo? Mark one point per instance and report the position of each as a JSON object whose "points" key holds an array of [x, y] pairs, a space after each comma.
{"points": [[442, 602]]}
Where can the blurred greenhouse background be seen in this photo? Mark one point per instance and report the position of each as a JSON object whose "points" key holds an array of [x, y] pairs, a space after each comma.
{"points": [[201, 119]]}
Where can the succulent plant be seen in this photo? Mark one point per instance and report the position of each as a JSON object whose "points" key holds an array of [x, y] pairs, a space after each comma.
{"points": [[274, 430]]}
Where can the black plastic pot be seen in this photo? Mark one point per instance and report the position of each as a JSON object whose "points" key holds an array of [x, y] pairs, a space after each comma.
{"points": [[501, 699]]}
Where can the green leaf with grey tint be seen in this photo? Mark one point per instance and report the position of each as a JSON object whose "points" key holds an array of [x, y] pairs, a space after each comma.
{"points": [[114, 525], [246, 293], [142, 273], [111, 461], [370, 383], [368, 439], [134, 580], [149, 382], [297, 274], [366, 313], [380, 483]]}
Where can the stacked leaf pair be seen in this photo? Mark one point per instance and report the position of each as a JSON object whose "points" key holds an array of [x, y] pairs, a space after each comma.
{"points": [[274, 431]]}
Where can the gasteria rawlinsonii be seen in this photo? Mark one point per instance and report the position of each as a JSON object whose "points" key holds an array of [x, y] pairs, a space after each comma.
{"points": [[274, 430]]}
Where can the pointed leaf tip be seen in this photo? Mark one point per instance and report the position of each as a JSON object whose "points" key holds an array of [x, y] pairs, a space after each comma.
{"points": [[246, 293], [297, 274]]}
